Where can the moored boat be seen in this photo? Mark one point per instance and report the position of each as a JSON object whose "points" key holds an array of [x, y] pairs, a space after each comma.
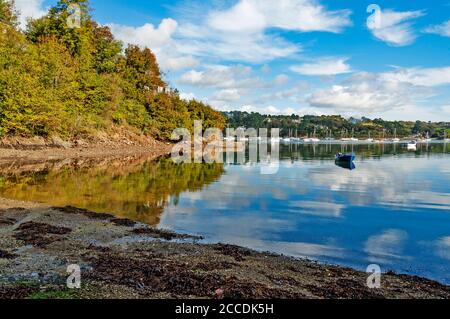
{"points": [[347, 165], [412, 146], [340, 157], [395, 139]]}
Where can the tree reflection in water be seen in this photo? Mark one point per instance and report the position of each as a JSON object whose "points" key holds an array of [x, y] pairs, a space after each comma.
{"points": [[135, 189]]}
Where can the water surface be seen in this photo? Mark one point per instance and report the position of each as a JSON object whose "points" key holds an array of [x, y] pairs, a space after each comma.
{"points": [[393, 209]]}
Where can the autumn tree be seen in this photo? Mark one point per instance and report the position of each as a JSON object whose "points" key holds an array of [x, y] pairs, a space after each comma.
{"points": [[59, 80]]}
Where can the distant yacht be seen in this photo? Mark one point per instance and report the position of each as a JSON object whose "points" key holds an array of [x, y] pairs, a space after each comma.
{"points": [[412, 146], [313, 139], [369, 140], [395, 139], [288, 139], [351, 139]]}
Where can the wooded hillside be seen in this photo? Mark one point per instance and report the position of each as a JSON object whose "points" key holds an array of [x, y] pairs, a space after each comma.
{"points": [[73, 82]]}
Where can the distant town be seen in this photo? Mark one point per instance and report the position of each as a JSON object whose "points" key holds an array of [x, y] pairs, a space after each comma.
{"points": [[338, 127]]}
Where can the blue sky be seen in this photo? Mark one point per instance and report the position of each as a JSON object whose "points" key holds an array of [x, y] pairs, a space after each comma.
{"points": [[294, 56]]}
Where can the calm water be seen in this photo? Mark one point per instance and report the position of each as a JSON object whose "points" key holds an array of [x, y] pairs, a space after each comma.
{"points": [[392, 210]]}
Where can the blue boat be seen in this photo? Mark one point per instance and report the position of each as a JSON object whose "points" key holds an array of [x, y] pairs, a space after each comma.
{"points": [[345, 157], [347, 165]]}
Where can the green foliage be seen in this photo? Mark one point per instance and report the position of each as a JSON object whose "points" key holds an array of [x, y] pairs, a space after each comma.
{"points": [[137, 191], [7, 14], [53, 295], [75, 81]]}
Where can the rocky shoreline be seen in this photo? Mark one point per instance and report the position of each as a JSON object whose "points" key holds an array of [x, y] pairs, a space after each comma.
{"points": [[120, 258], [114, 146]]}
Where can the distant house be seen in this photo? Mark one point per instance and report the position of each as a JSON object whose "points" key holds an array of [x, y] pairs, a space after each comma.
{"points": [[163, 89]]}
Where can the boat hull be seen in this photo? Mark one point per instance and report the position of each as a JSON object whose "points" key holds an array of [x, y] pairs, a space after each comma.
{"points": [[345, 158]]}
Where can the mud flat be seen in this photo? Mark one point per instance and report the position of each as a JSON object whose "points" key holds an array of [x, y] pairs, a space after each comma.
{"points": [[17, 150], [120, 258]]}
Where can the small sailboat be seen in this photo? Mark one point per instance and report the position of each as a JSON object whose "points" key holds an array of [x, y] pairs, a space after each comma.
{"points": [[369, 140], [329, 137], [412, 146], [287, 139], [296, 138], [395, 139], [383, 139], [353, 139], [313, 139]]}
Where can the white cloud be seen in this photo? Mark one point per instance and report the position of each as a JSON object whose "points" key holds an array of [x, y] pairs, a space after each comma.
{"points": [[370, 93], [272, 110], [187, 96], [443, 247], [324, 66], [227, 95], [239, 32], [289, 111], [224, 77], [311, 111], [203, 41], [363, 94], [320, 209], [250, 16], [159, 39], [386, 246], [419, 76], [281, 79], [295, 93], [441, 29], [269, 110], [177, 63], [248, 108], [396, 28], [146, 34], [29, 9], [446, 110]]}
